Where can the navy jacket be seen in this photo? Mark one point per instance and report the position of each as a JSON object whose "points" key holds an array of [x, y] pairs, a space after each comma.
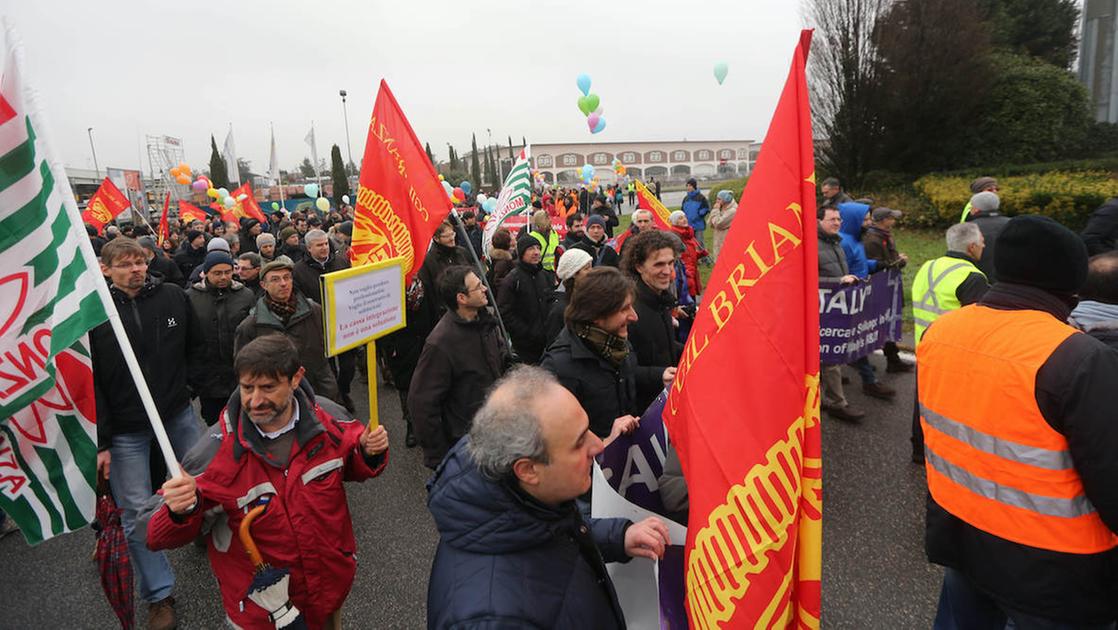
{"points": [[507, 561]]}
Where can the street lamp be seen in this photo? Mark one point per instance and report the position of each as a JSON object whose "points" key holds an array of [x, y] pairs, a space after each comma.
{"points": [[345, 115], [96, 169]]}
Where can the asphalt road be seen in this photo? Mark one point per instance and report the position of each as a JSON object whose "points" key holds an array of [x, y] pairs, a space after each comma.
{"points": [[874, 571]]}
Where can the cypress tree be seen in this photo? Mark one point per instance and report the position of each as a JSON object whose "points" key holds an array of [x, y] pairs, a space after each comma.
{"points": [[219, 174], [475, 164], [338, 175]]}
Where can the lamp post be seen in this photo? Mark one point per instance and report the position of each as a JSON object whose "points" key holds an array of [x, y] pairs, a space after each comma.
{"points": [[96, 168], [345, 116]]}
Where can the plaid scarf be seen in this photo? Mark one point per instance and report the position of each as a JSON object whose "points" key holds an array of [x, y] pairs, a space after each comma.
{"points": [[610, 347], [283, 310]]}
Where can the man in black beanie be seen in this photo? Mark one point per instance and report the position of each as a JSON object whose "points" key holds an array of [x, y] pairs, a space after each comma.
{"points": [[1020, 441]]}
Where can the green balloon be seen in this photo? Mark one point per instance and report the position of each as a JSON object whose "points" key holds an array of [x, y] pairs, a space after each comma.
{"points": [[592, 103], [584, 105], [275, 206], [720, 71]]}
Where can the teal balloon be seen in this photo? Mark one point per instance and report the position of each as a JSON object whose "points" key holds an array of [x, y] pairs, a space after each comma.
{"points": [[600, 126], [587, 172], [584, 85], [466, 187], [490, 205], [720, 70], [310, 190]]}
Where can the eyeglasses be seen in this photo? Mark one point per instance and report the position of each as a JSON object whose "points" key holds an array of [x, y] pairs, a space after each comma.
{"points": [[480, 287]]}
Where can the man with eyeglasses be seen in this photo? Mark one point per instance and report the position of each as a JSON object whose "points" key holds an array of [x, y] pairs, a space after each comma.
{"points": [[284, 311], [168, 340], [221, 303], [462, 357]]}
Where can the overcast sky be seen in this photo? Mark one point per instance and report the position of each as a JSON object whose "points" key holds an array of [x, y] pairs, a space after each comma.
{"points": [[129, 68]]}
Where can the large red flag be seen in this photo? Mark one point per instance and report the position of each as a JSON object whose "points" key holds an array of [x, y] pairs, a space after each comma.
{"points": [[749, 438], [400, 201], [190, 212], [104, 205], [247, 207]]}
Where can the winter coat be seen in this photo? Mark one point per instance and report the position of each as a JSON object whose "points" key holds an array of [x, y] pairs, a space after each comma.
{"points": [[653, 337], [248, 241], [832, 258], [693, 250], [556, 313], [602, 253], [879, 245], [437, 259], [605, 392], [720, 220], [167, 339], [166, 269], [1074, 392], [188, 258], [500, 264], [304, 328], [474, 234], [523, 300], [294, 252], [460, 360], [696, 207], [850, 235], [306, 529], [219, 312], [306, 273], [991, 225], [1101, 232], [504, 560]]}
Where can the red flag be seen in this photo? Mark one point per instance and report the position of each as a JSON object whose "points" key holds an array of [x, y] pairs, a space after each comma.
{"points": [[749, 438], [646, 200], [190, 212], [104, 205], [400, 201], [248, 207], [164, 228]]}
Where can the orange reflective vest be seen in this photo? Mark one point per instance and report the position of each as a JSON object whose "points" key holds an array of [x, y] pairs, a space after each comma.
{"points": [[992, 459]]}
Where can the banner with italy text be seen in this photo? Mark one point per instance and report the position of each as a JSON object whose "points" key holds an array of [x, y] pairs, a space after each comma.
{"points": [[400, 201], [49, 300], [749, 438]]}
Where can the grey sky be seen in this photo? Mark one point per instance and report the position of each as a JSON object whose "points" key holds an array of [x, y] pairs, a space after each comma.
{"points": [[133, 67]]}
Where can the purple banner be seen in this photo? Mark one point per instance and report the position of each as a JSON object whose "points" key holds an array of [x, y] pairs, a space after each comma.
{"points": [[856, 319], [632, 465]]}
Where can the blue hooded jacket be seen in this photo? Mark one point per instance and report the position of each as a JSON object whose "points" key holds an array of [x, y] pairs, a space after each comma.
{"points": [[505, 560], [850, 234], [696, 207]]}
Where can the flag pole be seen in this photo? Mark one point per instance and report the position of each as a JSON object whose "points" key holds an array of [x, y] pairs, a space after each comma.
{"points": [[86, 251]]}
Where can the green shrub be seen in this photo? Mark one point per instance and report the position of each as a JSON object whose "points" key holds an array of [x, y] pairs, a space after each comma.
{"points": [[733, 185]]}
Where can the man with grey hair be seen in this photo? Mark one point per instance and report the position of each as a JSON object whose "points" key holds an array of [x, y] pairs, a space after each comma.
{"points": [[944, 284], [320, 259], [514, 548], [984, 213], [642, 222]]}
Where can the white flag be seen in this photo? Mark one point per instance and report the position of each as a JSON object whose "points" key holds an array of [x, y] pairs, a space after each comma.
{"points": [[273, 164], [314, 148], [230, 155]]}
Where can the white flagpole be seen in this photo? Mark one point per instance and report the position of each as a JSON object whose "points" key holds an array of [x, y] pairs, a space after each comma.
{"points": [[86, 251]]}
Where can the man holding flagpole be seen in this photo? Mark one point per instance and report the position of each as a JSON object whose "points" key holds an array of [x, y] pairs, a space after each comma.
{"points": [[161, 325]]}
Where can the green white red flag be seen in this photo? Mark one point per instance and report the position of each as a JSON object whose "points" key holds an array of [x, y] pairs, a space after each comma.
{"points": [[749, 437], [49, 301]]}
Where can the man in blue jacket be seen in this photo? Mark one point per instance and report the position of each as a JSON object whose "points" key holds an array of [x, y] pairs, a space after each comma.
{"points": [[855, 219], [696, 207], [515, 550]]}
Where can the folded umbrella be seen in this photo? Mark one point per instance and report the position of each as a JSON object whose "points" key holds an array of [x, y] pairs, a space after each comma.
{"points": [[269, 585], [113, 562]]}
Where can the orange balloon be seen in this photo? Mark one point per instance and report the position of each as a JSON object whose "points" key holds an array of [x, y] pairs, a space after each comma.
{"points": [[174, 171]]}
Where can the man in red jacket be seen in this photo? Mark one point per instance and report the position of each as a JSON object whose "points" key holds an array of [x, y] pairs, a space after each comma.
{"points": [[275, 443]]}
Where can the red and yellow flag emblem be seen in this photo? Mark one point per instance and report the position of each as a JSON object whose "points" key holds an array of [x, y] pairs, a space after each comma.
{"points": [[104, 205], [749, 438]]}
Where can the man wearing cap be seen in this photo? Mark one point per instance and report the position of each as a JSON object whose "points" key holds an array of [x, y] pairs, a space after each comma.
{"points": [[523, 297], [192, 252], [979, 185], [573, 265], [290, 244], [880, 246], [1017, 408], [266, 246], [984, 213], [221, 304], [464, 354], [216, 244], [284, 311], [595, 243], [1101, 232], [250, 229]]}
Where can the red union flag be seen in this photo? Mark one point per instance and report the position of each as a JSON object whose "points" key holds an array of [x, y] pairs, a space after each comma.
{"points": [[190, 212], [749, 438], [646, 200], [400, 201], [247, 208], [104, 205]]}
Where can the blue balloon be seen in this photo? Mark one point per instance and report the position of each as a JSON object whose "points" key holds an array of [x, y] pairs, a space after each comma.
{"points": [[587, 172], [600, 126], [490, 205], [466, 187], [584, 83]]}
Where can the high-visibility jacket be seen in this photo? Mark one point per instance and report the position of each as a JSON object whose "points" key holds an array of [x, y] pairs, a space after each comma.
{"points": [[933, 289], [548, 246], [992, 459]]}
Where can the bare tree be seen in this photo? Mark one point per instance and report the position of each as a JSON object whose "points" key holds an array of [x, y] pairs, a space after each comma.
{"points": [[843, 73]]}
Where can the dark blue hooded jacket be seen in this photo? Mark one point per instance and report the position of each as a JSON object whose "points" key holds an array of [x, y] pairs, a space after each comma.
{"points": [[696, 207], [853, 214], [505, 560]]}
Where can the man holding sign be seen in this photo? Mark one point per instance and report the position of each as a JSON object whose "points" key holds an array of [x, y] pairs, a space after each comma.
{"points": [[277, 445]]}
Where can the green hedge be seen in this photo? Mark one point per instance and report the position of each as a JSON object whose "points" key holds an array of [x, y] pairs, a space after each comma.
{"points": [[733, 185]]}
